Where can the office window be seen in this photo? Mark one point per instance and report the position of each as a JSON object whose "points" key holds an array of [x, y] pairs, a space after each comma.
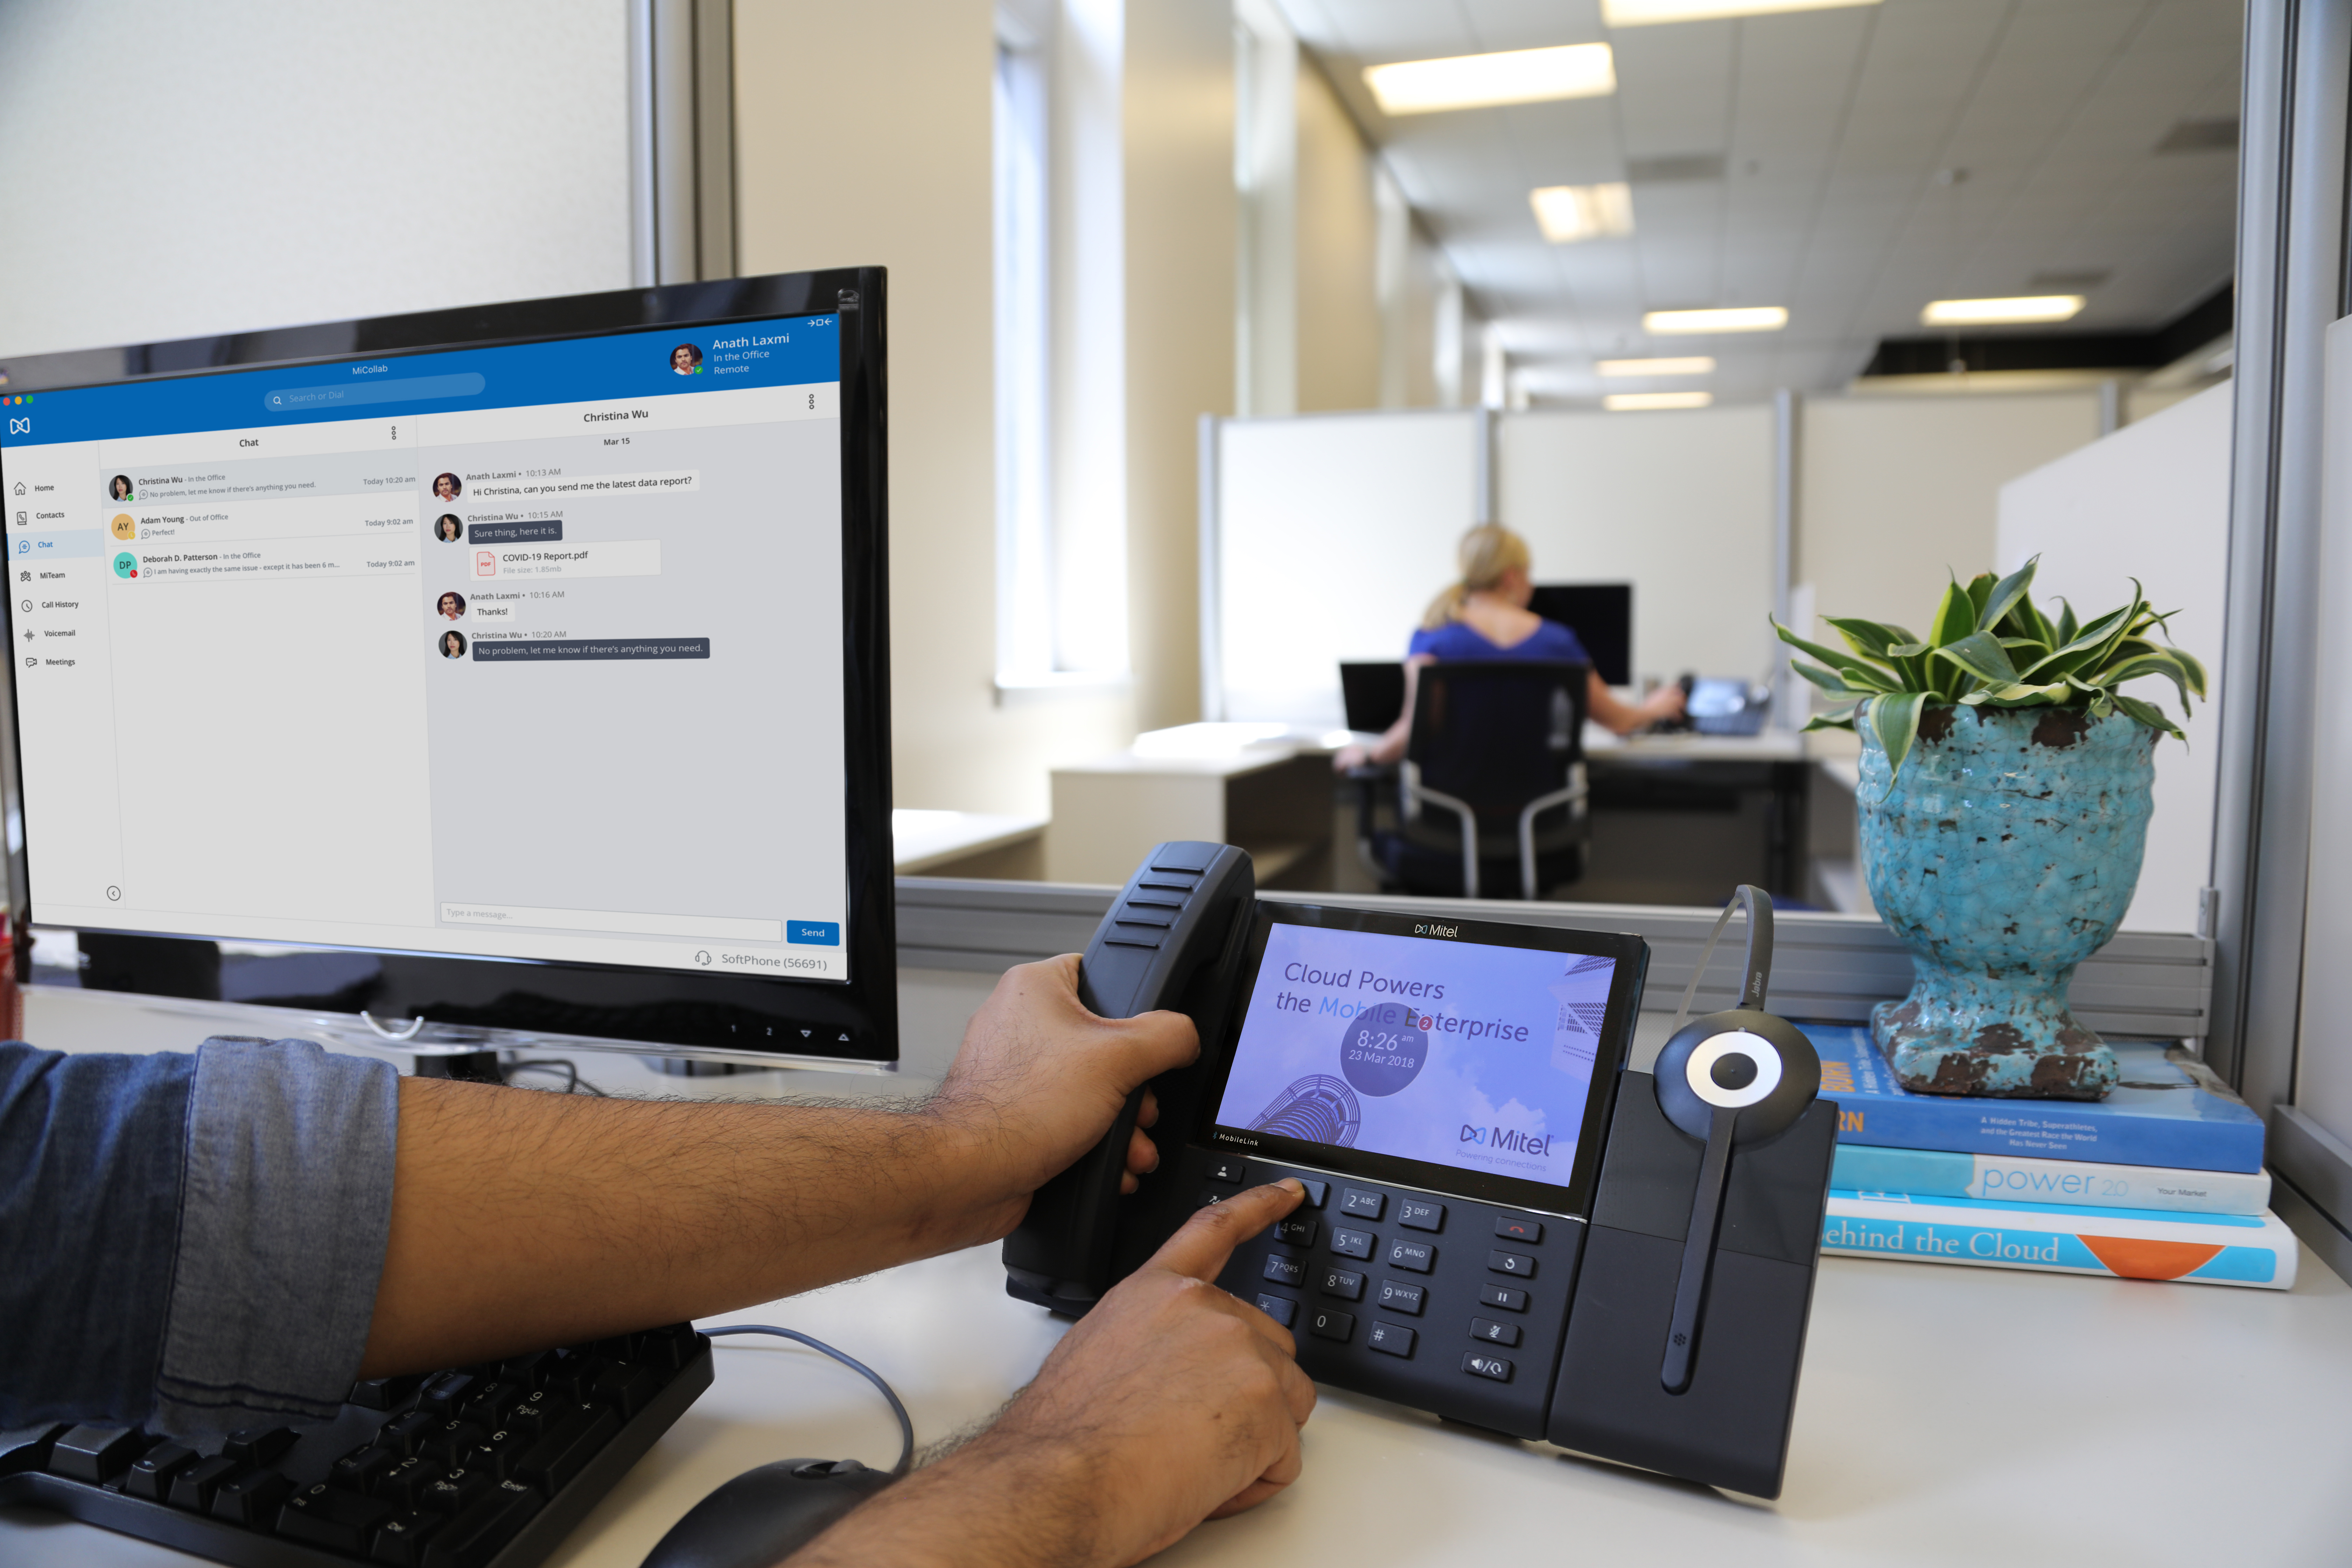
{"points": [[1025, 620]]}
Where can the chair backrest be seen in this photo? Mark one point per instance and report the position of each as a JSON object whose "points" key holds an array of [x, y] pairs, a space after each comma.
{"points": [[1497, 734]]}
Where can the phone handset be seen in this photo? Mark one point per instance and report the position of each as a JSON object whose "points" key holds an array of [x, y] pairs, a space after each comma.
{"points": [[1176, 918]]}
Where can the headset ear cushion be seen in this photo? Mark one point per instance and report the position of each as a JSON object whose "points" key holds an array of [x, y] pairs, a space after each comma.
{"points": [[1691, 1105]]}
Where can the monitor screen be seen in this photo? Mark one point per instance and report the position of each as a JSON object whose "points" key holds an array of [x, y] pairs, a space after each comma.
{"points": [[556, 651], [1468, 1056], [1602, 617]]}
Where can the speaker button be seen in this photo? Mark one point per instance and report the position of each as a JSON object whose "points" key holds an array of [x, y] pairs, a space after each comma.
{"points": [[1480, 1364]]}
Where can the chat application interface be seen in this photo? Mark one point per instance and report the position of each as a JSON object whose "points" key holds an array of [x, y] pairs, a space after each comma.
{"points": [[527, 652], [1454, 1053]]}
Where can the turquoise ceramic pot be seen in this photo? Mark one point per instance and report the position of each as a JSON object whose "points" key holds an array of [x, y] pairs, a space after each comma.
{"points": [[2004, 854]]}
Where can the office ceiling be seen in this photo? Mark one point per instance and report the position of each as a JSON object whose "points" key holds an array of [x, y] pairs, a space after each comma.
{"points": [[1850, 164]]}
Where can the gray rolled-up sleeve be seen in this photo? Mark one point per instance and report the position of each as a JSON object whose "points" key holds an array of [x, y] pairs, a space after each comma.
{"points": [[286, 1205]]}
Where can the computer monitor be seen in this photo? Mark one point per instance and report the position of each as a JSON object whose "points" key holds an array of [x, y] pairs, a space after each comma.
{"points": [[533, 657], [1372, 694], [1602, 617]]}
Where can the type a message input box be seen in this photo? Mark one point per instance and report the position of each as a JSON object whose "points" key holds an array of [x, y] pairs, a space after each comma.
{"points": [[619, 922]]}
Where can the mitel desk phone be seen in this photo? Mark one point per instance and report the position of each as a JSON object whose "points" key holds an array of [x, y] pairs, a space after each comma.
{"points": [[1503, 1225]]}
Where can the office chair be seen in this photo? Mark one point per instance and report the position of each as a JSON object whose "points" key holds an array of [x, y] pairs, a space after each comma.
{"points": [[1492, 782]]}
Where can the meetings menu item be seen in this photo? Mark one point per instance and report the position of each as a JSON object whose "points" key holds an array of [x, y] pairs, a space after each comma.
{"points": [[1462, 1054]]}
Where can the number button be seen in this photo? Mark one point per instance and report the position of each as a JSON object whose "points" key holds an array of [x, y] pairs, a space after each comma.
{"points": [[1328, 1325], [1399, 1296], [1418, 1214], [1393, 1338], [1296, 1232], [1518, 1263], [1343, 1283], [1418, 1255], [1284, 1270], [1353, 1243], [1360, 1203]]}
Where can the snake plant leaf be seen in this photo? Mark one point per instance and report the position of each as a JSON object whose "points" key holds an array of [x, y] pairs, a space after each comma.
{"points": [[1837, 719], [2147, 713], [1845, 682], [2160, 661], [1955, 617], [1895, 719], [1828, 655], [2005, 595], [1981, 593], [1980, 655], [1911, 649], [2066, 626], [1868, 638]]}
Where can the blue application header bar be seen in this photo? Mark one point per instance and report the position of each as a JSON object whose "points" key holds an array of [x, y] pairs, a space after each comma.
{"points": [[791, 350]]}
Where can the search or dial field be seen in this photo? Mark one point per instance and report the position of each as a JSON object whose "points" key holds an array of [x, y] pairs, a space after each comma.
{"points": [[617, 558], [358, 393], [710, 928]]}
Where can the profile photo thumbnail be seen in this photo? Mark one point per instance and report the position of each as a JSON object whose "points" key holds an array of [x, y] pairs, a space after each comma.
{"points": [[453, 644], [686, 359], [450, 606], [448, 487], [118, 488], [448, 529]]}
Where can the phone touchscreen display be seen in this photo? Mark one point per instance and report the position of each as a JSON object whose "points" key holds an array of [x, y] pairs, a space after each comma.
{"points": [[1459, 1054]]}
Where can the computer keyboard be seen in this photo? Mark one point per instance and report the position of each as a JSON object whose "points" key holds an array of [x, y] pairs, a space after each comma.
{"points": [[483, 1466]]}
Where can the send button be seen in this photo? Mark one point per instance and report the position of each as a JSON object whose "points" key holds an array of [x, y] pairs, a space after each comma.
{"points": [[813, 933]]}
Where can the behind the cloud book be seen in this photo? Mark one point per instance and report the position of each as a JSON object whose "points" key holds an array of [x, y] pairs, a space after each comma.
{"points": [[2161, 1181]]}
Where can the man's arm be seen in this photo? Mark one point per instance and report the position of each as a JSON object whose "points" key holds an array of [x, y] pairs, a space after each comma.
{"points": [[521, 1220], [1170, 1402]]}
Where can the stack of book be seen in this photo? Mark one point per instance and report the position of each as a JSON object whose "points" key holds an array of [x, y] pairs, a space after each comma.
{"points": [[2161, 1180]]}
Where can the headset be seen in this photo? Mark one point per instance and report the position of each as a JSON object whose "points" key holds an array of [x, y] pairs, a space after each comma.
{"points": [[1732, 1078]]}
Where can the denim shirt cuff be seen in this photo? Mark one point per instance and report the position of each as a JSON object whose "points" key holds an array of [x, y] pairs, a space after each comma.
{"points": [[285, 1211]]}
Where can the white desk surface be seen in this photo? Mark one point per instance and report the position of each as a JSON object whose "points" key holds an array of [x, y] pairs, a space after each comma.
{"points": [[1947, 1415], [922, 839]]}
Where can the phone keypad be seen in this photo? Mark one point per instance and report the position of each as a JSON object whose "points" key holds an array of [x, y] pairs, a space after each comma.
{"points": [[1346, 1284], [1353, 1243]]}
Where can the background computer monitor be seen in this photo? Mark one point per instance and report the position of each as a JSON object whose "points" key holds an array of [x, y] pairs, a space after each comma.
{"points": [[513, 669], [1372, 693], [1602, 617]]}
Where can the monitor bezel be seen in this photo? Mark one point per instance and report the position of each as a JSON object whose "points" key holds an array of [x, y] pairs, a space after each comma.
{"points": [[853, 1020], [1573, 1200]]}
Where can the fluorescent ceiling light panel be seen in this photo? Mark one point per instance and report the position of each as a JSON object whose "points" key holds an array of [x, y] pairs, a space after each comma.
{"points": [[1649, 13], [1635, 402], [1567, 214], [1478, 82], [1987, 312], [1737, 319], [1693, 364]]}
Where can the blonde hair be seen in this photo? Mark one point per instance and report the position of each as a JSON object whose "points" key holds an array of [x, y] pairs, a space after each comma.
{"points": [[1484, 555]]}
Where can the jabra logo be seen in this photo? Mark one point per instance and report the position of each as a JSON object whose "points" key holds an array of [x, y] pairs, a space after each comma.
{"points": [[1431, 928]]}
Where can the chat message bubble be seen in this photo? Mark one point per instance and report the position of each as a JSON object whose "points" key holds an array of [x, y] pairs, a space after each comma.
{"points": [[683, 481], [549, 531], [541, 650], [620, 558]]}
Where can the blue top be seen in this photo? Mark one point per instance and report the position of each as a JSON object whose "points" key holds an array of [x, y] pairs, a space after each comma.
{"points": [[1460, 640], [192, 1241]]}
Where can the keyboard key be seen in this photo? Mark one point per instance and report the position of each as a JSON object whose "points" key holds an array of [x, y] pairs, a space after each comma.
{"points": [[1493, 1332], [444, 1392], [151, 1473], [630, 1388], [402, 1539], [1229, 1170], [1295, 1232], [570, 1442], [529, 1413], [1399, 1296], [1362, 1204], [1420, 1213], [1343, 1283], [1394, 1339], [1518, 1227], [1503, 1296], [1353, 1243], [1491, 1366], [259, 1445], [362, 1469], [523, 1370], [1327, 1324], [666, 1349], [328, 1516], [253, 1498], [486, 1406], [94, 1453], [475, 1536], [450, 1439], [1284, 1270], [1281, 1308], [193, 1487], [403, 1486], [1516, 1263], [495, 1455], [453, 1491], [382, 1393], [1421, 1257], [404, 1435]]}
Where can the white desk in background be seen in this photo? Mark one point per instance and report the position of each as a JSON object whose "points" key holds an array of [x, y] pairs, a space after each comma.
{"points": [[968, 844], [1947, 1416]]}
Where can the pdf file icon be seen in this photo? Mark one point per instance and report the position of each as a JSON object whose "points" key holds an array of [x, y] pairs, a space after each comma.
{"points": [[486, 563]]}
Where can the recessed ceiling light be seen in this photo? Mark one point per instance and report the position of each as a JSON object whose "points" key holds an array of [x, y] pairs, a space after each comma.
{"points": [[1473, 81], [1646, 13], [1567, 214], [1986, 312], [1737, 319], [1634, 402], [1693, 364]]}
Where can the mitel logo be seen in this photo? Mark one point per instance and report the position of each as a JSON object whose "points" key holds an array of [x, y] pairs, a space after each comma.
{"points": [[1517, 1143], [1431, 928], [20, 426]]}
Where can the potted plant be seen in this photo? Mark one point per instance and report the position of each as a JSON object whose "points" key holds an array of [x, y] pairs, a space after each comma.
{"points": [[2004, 805]]}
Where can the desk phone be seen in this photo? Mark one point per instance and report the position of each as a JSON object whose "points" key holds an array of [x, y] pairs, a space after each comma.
{"points": [[1503, 1225]]}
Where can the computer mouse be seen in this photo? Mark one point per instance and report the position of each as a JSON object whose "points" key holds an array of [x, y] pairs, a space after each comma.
{"points": [[764, 1515]]}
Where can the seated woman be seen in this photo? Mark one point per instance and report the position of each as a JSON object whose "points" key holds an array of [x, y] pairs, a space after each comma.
{"points": [[1485, 615]]}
